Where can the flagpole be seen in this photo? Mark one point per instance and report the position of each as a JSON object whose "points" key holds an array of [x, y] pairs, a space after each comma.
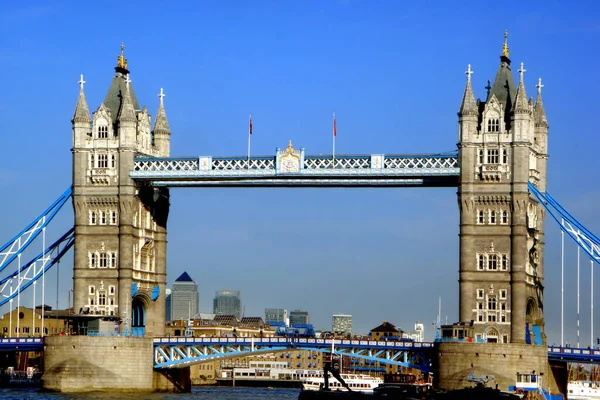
{"points": [[249, 136], [334, 135]]}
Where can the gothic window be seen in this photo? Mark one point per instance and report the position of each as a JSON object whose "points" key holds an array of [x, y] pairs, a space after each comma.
{"points": [[479, 305], [504, 262], [91, 301], [113, 161], [481, 262], [93, 260], [480, 317], [480, 293], [503, 306], [492, 303], [92, 161], [92, 290], [102, 217], [502, 317], [503, 294], [113, 218], [493, 156], [504, 217], [493, 125], [504, 156], [102, 298], [481, 217], [492, 216], [481, 156], [92, 217], [102, 160], [111, 290], [111, 302], [103, 261], [102, 132], [113, 260], [491, 317], [492, 262]]}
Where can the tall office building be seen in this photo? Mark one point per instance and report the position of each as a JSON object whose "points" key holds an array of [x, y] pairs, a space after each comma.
{"points": [[299, 317], [168, 305], [184, 298], [228, 302], [342, 324], [276, 316]]}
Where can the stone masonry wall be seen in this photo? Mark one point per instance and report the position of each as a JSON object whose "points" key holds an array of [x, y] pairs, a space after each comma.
{"points": [[455, 361], [83, 363]]}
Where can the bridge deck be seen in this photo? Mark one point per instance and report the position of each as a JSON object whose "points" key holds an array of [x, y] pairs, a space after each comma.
{"points": [[294, 169]]}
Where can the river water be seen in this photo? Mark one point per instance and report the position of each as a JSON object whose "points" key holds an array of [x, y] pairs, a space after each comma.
{"points": [[198, 393]]}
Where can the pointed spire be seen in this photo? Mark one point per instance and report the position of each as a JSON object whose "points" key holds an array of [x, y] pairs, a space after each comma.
{"points": [[127, 112], [521, 104], [122, 61], [505, 45], [160, 124], [468, 106], [82, 113], [538, 110]]}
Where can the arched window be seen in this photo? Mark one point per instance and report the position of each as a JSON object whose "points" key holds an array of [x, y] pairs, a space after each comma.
{"points": [[492, 303], [481, 217], [504, 262], [113, 260], [93, 260], [93, 220], [103, 260], [504, 219], [492, 216]]}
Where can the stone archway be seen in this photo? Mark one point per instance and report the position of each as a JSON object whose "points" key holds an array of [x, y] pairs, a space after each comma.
{"points": [[138, 314], [491, 335]]}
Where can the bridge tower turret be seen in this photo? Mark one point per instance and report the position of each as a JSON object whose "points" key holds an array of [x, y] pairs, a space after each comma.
{"points": [[120, 227], [502, 147]]}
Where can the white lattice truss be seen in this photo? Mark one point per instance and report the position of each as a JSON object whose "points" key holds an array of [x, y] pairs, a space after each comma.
{"points": [[14, 248], [26, 275], [360, 170], [181, 352]]}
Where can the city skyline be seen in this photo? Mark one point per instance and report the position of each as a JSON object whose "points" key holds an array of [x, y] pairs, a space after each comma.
{"points": [[394, 76]]}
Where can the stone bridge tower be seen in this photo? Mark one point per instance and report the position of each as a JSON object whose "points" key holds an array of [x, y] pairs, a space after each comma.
{"points": [[120, 227], [503, 145]]}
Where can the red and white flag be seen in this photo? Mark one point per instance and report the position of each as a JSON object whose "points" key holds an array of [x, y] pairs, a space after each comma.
{"points": [[334, 126]]}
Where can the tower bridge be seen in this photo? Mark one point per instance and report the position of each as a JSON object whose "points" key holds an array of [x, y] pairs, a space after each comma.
{"points": [[122, 172]]}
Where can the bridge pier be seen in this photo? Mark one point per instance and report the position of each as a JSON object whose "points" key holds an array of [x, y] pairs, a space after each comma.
{"points": [[84, 363], [455, 361]]}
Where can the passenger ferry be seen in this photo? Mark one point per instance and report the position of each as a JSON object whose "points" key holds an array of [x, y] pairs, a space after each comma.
{"points": [[579, 390], [357, 383], [266, 373]]}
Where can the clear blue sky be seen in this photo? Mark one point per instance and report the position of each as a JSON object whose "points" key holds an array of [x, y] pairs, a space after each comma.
{"points": [[394, 74]]}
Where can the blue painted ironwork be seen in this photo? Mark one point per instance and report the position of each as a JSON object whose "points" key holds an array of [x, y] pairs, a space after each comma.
{"points": [[22, 344], [180, 352], [292, 168], [155, 293], [569, 354], [11, 250], [584, 238], [21, 279]]}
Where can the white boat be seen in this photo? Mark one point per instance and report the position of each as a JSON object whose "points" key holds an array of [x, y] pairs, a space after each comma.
{"points": [[267, 373], [356, 382], [581, 390]]}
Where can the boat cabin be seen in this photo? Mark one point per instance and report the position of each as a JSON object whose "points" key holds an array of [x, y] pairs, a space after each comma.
{"points": [[459, 332]]}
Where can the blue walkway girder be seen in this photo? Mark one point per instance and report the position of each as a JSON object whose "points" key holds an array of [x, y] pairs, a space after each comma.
{"points": [[22, 344], [376, 170], [575, 355], [179, 352], [584, 238]]}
